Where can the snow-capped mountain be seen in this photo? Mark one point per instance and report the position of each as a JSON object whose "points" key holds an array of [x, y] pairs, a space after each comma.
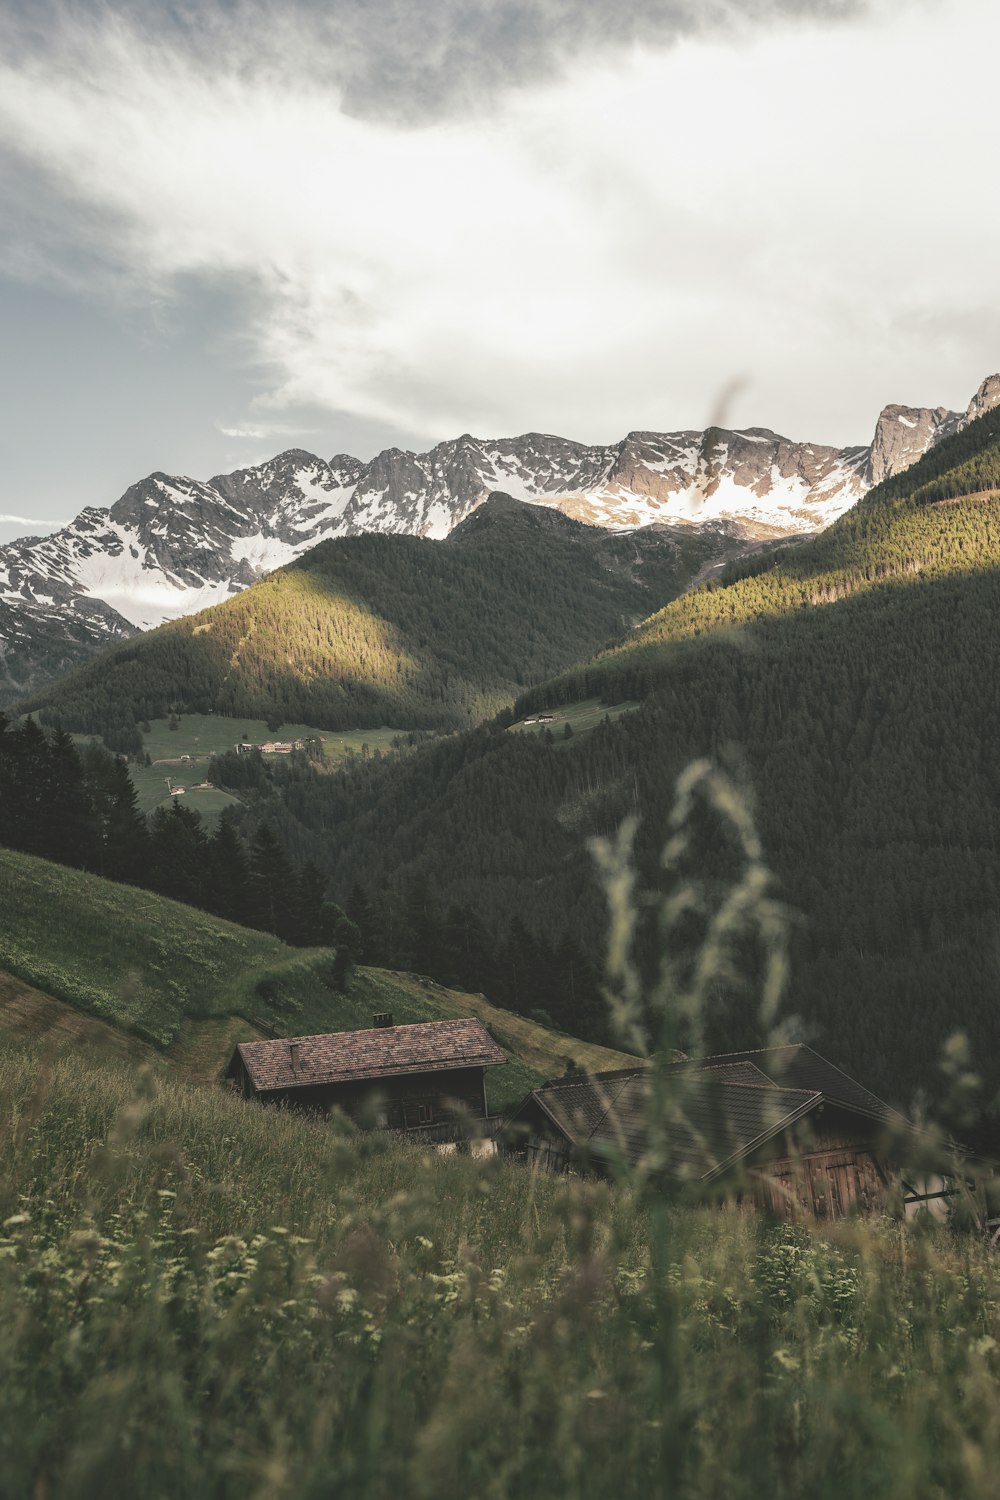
{"points": [[171, 546]]}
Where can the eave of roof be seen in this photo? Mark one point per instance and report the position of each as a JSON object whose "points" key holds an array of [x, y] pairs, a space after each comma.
{"points": [[275, 1067], [810, 1101], [361, 1074]]}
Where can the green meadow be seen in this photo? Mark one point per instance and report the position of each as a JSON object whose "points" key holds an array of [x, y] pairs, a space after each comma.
{"points": [[183, 754], [582, 717]]}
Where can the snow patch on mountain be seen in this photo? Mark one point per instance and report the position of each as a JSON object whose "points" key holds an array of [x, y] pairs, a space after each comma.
{"points": [[173, 545]]}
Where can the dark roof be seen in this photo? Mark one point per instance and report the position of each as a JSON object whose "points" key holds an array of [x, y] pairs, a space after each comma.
{"points": [[722, 1109], [797, 1066], [716, 1116], [382, 1052], [719, 1122]]}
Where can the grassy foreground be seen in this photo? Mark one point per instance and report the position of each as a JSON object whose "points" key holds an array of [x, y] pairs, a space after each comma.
{"points": [[200, 1297]]}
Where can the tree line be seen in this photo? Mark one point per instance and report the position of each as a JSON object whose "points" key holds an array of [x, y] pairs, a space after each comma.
{"points": [[78, 807]]}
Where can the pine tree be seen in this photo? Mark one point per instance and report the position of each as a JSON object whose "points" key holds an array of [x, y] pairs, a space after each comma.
{"points": [[272, 893], [229, 880]]}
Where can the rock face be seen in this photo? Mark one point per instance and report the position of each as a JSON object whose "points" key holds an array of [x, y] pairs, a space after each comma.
{"points": [[986, 399], [904, 433], [171, 546]]}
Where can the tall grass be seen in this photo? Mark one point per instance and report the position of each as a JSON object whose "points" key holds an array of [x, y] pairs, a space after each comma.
{"points": [[200, 1297]]}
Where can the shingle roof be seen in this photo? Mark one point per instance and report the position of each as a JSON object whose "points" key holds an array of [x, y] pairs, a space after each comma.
{"points": [[717, 1114], [722, 1107], [797, 1066], [721, 1122], [381, 1052]]}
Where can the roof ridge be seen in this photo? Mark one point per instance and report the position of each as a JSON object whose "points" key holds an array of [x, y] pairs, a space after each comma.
{"points": [[316, 1036], [749, 1052], [579, 1079], [768, 1087], [610, 1105]]}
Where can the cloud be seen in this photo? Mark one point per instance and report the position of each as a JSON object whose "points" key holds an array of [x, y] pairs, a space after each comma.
{"points": [[6, 520], [258, 432], [602, 248], [406, 60]]}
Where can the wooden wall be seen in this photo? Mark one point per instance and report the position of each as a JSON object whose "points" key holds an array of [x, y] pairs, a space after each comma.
{"points": [[409, 1101]]}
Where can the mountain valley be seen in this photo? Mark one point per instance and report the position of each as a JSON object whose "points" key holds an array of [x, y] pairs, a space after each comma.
{"points": [[849, 686]]}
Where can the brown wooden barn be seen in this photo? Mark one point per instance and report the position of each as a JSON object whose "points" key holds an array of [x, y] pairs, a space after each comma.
{"points": [[780, 1128], [421, 1076]]}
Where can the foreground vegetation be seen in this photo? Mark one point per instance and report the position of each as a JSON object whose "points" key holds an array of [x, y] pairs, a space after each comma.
{"points": [[202, 1297]]}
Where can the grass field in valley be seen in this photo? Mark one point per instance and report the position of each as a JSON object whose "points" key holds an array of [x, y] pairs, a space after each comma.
{"points": [[582, 717], [205, 1298], [183, 754]]}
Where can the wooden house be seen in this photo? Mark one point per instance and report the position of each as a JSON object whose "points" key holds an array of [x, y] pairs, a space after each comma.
{"points": [[430, 1074], [781, 1128]]}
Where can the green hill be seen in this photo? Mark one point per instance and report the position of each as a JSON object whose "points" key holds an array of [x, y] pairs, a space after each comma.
{"points": [[88, 961], [939, 519], [850, 684], [374, 630]]}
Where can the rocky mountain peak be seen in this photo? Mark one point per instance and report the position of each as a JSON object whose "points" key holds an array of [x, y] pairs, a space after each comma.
{"points": [[903, 434], [987, 398]]}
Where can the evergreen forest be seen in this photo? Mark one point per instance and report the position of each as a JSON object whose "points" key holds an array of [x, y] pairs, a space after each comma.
{"points": [[850, 686], [374, 630], [78, 807]]}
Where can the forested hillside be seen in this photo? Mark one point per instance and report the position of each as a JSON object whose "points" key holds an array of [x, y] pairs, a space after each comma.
{"points": [[376, 630], [907, 528], [852, 687]]}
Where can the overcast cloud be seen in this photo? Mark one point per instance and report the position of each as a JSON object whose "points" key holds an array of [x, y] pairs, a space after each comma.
{"points": [[496, 217], [405, 60]]}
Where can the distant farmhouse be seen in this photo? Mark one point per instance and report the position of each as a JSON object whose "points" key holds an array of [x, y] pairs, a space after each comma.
{"points": [[271, 747], [781, 1128], [431, 1074]]}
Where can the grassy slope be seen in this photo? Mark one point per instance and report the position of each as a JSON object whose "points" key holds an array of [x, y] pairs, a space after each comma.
{"points": [[165, 974], [54, 1025]]}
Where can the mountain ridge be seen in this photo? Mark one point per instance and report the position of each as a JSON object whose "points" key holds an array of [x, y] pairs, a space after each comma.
{"points": [[171, 545], [365, 631]]}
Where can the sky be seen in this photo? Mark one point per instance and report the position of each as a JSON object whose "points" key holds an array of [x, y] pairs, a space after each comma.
{"points": [[232, 227]]}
